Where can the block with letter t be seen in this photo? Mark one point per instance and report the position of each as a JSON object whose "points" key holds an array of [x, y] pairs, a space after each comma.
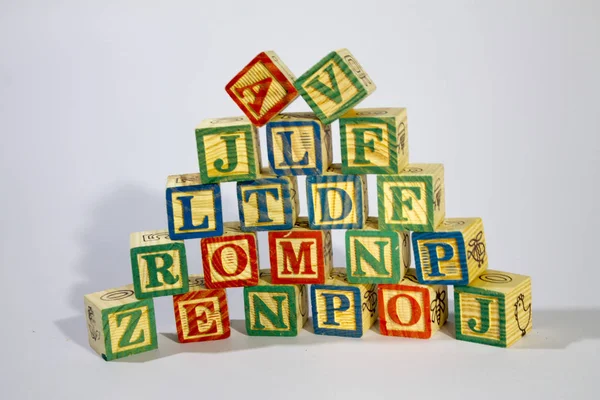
{"points": [[374, 141], [413, 200], [336, 201], [228, 150], [300, 255], [275, 310], [158, 264], [119, 324]]}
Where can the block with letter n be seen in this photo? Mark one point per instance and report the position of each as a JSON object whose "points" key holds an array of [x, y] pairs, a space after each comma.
{"points": [[299, 144], [193, 210], [374, 141], [201, 314], [228, 150], [336, 201], [275, 310], [411, 309], [158, 264], [455, 254], [494, 309], [268, 203], [376, 256], [119, 324], [340, 308], [334, 85], [300, 255], [413, 200], [230, 260]]}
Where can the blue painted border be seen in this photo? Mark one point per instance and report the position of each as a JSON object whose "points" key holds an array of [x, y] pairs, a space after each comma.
{"points": [[218, 231], [416, 236], [287, 205], [357, 312], [317, 143], [314, 179]]}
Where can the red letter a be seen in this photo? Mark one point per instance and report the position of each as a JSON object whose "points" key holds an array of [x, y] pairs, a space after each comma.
{"points": [[259, 90]]}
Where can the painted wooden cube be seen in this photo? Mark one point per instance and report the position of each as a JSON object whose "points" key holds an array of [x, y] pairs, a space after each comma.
{"points": [[158, 264], [455, 254], [264, 88], [275, 310], [201, 314], [343, 309], [119, 324], [228, 150], [411, 309], [268, 203], [300, 255], [336, 201], [374, 141], [413, 200], [334, 85], [494, 309], [193, 210], [230, 260], [299, 144], [374, 256]]}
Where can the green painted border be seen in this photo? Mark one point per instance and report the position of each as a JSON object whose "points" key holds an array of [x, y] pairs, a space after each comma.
{"points": [[105, 326], [287, 289], [135, 269], [501, 310], [429, 227], [249, 131], [395, 267], [373, 169], [362, 92]]}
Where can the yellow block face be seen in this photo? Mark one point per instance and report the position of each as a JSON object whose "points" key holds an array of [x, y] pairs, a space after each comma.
{"points": [[175, 270], [334, 200], [216, 149], [415, 215], [471, 310], [275, 207], [449, 269], [230, 260], [302, 142], [282, 260], [208, 313], [346, 319], [141, 335], [380, 156], [272, 304], [370, 243], [398, 302], [202, 206]]}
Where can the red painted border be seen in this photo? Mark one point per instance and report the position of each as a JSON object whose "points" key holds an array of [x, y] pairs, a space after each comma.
{"points": [[274, 235], [252, 257], [203, 294], [426, 334]]}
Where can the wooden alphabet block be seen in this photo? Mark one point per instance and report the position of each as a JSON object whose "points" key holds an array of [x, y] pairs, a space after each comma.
{"points": [[334, 85], [299, 144], [228, 150], [336, 201], [411, 309], [343, 309], [118, 324], [494, 309], [275, 310], [268, 203], [374, 256], [263, 88], [158, 264], [193, 209], [455, 254], [201, 314], [413, 200], [230, 260], [300, 255], [374, 141]]}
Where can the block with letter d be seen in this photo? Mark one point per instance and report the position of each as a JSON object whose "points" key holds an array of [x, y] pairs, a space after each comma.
{"points": [[275, 310], [413, 200], [374, 141], [343, 309], [158, 264], [336, 201], [455, 254]]}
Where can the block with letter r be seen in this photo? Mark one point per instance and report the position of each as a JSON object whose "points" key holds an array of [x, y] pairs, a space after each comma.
{"points": [[158, 264]]}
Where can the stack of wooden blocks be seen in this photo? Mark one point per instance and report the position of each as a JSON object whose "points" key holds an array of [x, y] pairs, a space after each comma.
{"points": [[491, 307]]}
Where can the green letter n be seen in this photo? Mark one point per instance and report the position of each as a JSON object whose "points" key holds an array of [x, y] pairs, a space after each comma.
{"points": [[260, 308], [362, 253]]}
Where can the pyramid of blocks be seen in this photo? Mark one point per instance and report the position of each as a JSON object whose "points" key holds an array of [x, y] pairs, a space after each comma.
{"points": [[491, 307]]}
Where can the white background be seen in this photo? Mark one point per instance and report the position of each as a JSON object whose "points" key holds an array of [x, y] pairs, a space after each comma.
{"points": [[98, 104]]}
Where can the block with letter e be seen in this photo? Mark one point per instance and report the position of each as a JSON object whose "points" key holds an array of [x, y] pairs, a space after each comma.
{"points": [[494, 309], [374, 141], [343, 309], [119, 324], [300, 255], [413, 200], [158, 264], [275, 310], [201, 314], [336, 201], [454, 254], [411, 309], [230, 260]]}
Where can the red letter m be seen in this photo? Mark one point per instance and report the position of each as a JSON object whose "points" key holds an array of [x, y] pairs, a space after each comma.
{"points": [[291, 260]]}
